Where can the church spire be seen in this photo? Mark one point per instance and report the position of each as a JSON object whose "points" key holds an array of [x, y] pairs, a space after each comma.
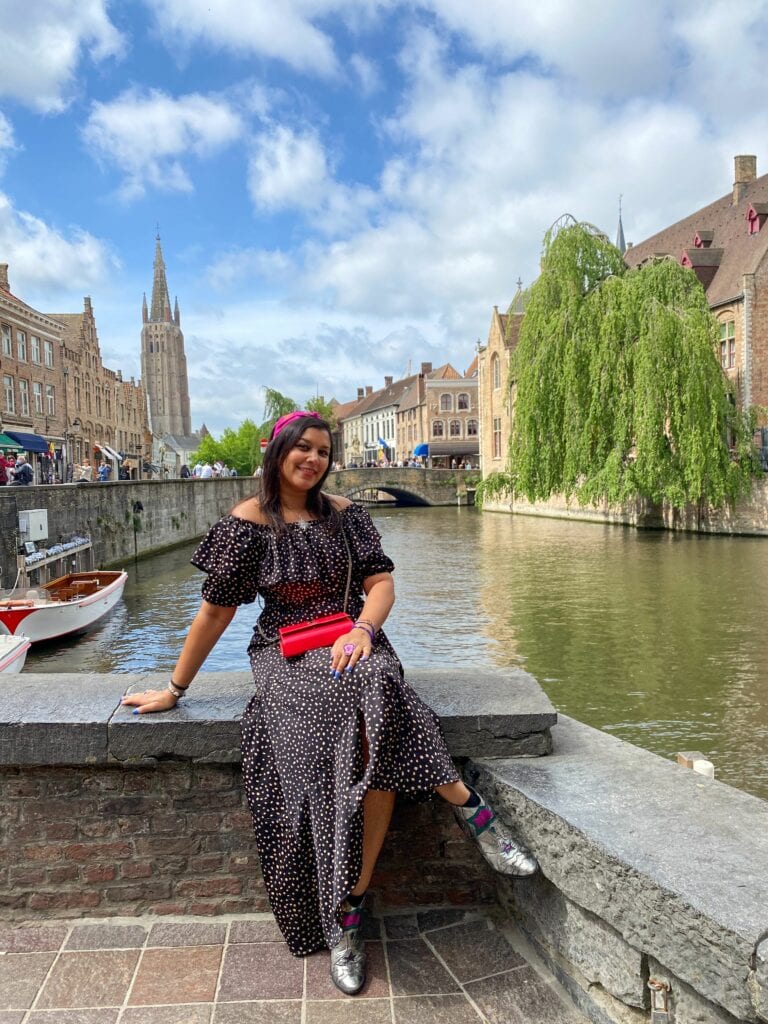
{"points": [[621, 245], [144, 310], [161, 303], [176, 313]]}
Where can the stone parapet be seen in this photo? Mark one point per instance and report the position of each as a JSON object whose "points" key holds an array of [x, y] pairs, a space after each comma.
{"points": [[108, 813], [648, 871]]}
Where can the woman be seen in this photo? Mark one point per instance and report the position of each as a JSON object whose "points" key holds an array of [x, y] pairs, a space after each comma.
{"points": [[331, 735]]}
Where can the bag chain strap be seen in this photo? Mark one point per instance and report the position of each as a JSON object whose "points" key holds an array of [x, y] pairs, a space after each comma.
{"points": [[274, 639]]}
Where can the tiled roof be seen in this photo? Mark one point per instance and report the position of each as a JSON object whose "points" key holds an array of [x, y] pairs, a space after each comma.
{"points": [[347, 409], [742, 253], [471, 370], [390, 395]]}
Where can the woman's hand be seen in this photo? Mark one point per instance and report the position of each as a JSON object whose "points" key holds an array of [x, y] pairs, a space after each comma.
{"points": [[150, 700], [350, 648]]}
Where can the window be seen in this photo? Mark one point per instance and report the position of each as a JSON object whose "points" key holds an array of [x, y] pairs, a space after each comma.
{"points": [[48, 348], [438, 428], [497, 437], [471, 428], [37, 395], [24, 397], [77, 394], [495, 371], [446, 403], [455, 428], [21, 346], [728, 344], [35, 342], [6, 340], [10, 403], [50, 399], [463, 402]]}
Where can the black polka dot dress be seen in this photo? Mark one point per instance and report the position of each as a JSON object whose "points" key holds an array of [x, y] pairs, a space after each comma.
{"points": [[302, 732]]}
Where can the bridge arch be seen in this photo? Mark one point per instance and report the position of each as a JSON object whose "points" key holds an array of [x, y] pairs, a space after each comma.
{"points": [[408, 486]]}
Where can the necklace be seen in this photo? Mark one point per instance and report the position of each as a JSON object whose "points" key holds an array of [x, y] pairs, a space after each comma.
{"points": [[302, 519]]}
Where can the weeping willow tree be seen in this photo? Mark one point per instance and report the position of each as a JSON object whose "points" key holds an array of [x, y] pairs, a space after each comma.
{"points": [[617, 390]]}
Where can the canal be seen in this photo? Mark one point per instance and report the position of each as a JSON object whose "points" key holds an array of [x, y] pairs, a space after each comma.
{"points": [[657, 638]]}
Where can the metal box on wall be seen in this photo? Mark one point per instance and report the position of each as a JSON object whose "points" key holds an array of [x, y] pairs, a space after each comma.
{"points": [[33, 524]]}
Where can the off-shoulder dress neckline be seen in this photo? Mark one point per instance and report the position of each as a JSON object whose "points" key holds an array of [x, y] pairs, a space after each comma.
{"points": [[301, 524]]}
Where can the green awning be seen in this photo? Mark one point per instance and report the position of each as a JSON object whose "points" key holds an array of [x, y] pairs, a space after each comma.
{"points": [[7, 444]]}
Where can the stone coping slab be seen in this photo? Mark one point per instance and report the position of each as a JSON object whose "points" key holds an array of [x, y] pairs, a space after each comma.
{"points": [[78, 719], [675, 862]]}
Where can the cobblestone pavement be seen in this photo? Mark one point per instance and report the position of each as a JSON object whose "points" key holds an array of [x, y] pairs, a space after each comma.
{"points": [[430, 967]]}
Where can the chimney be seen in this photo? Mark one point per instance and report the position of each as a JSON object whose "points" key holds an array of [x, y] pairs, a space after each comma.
{"points": [[426, 367], [368, 390], [4, 277], [388, 382], [744, 172], [360, 393]]}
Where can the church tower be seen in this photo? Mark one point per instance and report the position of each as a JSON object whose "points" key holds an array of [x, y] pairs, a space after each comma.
{"points": [[163, 363]]}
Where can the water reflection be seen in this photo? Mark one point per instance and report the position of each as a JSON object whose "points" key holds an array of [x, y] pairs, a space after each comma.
{"points": [[655, 637]]}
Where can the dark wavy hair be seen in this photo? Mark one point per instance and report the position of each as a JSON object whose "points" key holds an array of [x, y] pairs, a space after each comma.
{"points": [[318, 503]]}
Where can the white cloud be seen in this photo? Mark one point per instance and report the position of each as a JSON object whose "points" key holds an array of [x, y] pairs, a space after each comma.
{"points": [[290, 169], [148, 135], [279, 29], [44, 261], [366, 72], [43, 45]]}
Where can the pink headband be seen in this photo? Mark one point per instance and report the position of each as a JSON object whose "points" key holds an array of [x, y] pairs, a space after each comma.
{"points": [[289, 418]]}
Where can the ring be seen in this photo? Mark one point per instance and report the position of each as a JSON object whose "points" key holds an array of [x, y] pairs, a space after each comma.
{"points": [[349, 648]]}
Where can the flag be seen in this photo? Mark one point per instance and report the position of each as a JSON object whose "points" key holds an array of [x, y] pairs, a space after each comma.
{"points": [[382, 443]]}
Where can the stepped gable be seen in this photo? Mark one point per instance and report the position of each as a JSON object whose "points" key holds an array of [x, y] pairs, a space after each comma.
{"points": [[720, 229]]}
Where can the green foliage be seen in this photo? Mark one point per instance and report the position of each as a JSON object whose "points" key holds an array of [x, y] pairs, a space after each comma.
{"points": [[616, 386], [323, 409]]}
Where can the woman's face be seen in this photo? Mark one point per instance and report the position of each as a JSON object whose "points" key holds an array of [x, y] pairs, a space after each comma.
{"points": [[307, 461]]}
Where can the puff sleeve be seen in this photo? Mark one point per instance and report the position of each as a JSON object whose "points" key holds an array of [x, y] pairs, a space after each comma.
{"points": [[230, 555], [365, 542]]}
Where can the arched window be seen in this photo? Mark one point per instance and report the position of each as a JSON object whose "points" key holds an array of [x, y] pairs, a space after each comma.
{"points": [[446, 403], [463, 402], [438, 428], [471, 428], [495, 371], [455, 428], [150, 347]]}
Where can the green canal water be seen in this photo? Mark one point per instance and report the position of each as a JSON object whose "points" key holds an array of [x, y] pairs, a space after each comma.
{"points": [[655, 637]]}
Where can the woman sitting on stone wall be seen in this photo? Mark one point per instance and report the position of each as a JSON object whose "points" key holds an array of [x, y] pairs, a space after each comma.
{"points": [[332, 734]]}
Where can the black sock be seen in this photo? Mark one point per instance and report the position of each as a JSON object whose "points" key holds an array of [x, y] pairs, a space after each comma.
{"points": [[355, 901], [474, 798]]}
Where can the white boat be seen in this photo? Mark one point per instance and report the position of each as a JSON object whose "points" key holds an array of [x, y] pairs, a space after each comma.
{"points": [[13, 653], [65, 605]]}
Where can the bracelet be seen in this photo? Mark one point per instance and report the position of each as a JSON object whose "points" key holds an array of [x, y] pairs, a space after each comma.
{"points": [[177, 691], [367, 627]]}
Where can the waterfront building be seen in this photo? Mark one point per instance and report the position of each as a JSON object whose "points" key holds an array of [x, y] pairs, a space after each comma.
{"points": [[350, 420], [33, 410], [106, 417], [378, 420], [726, 245], [493, 391]]}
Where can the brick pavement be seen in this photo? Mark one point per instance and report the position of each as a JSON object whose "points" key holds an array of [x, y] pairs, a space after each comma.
{"points": [[425, 967]]}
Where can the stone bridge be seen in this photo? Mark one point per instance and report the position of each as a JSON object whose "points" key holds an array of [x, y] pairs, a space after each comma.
{"points": [[408, 486]]}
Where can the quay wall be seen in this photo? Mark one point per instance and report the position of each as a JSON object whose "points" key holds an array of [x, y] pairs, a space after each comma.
{"points": [[650, 873], [123, 519], [749, 517]]}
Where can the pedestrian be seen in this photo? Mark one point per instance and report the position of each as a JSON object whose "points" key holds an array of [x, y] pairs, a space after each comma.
{"points": [[103, 472], [23, 474], [4, 464], [184, 472], [206, 471], [333, 733]]}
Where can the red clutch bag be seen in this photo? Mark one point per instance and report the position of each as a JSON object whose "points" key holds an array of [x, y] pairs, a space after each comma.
{"points": [[306, 636]]}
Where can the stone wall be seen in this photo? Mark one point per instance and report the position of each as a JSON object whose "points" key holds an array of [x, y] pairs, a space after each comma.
{"points": [[107, 813], [748, 518], [172, 512], [649, 872]]}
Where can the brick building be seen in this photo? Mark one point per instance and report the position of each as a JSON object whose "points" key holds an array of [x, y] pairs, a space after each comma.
{"points": [[106, 416], [494, 394], [726, 245]]}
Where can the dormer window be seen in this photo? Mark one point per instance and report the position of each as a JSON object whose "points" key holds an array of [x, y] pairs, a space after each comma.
{"points": [[756, 215], [703, 238]]}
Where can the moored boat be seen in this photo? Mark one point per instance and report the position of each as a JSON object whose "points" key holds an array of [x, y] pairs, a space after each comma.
{"points": [[13, 653], [65, 605]]}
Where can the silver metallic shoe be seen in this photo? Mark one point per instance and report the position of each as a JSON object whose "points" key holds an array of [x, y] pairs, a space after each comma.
{"points": [[348, 958], [497, 844]]}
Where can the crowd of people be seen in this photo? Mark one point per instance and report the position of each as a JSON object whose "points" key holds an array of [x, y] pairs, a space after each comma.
{"points": [[206, 470], [15, 470]]}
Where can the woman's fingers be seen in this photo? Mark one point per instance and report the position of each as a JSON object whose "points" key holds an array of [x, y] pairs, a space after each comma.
{"points": [[346, 652], [149, 700]]}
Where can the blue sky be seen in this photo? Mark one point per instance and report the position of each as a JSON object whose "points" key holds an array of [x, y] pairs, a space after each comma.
{"points": [[346, 185]]}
